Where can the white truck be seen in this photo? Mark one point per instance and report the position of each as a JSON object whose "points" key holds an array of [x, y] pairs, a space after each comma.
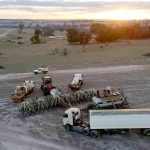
{"points": [[76, 82], [101, 121], [41, 70]]}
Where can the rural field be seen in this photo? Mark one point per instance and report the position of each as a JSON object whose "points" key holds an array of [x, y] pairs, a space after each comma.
{"points": [[25, 57], [119, 64]]}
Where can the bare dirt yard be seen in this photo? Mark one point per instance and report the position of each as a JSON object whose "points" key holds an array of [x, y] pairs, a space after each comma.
{"points": [[118, 64]]}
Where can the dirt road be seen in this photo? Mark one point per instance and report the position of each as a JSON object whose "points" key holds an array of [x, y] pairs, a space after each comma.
{"points": [[43, 131]]}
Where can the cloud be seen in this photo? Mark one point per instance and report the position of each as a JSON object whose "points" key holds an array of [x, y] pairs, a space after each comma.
{"points": [[68, 4], [73, 6]]}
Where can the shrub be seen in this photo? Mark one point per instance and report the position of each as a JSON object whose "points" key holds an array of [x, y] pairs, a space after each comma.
{"points": [[65, 52]]}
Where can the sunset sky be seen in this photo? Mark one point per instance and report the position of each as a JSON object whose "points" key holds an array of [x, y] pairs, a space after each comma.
{"points": [[75, 9]]}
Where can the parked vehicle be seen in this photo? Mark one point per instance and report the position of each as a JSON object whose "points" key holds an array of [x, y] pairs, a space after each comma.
{"points": [[41, 70], [101, 121], [115, 100], [22, 91], [55, 92], [47, 85], [77, 82], [109, 92]]}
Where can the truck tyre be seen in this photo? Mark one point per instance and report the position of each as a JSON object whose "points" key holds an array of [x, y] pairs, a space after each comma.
{"points": [[67, 127], [36, 73], [94, 133], [146, 132], [46, 91], [85, 131]]}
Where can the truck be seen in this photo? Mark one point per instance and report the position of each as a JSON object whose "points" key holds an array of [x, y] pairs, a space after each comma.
{"points": [[118, 101], [41, 70], [76, 83], [47, 85], [22, 91], [102, 121]]}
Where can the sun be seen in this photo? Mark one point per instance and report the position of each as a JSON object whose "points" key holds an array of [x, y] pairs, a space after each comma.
{"points": [[119, 14], [124, 14]]}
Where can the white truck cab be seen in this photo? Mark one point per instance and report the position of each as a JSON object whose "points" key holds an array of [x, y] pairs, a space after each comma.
{"points": [[70, 115], [76, 82], [77, 78]]}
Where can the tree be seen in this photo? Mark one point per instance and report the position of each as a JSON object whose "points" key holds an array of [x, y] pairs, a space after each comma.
{"points": [[84, 37], [48, 32], [107, 35], [35, 39], [72, 35], [37, 32], [96, 28]]}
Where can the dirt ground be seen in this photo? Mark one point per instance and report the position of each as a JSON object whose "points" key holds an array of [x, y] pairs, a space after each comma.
{"points": [[43, 131], [118, 64]]}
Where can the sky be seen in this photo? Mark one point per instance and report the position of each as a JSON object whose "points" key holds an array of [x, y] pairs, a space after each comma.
{"points": [[75, 9]]}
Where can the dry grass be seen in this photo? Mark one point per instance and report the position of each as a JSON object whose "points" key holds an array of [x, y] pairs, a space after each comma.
{"points": [[24, 57]]}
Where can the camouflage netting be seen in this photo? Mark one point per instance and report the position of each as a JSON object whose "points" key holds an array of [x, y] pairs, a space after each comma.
{"points": [[49, 102]]}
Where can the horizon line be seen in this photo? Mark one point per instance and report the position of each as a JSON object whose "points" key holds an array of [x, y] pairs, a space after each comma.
{"points": [[76, 19]]}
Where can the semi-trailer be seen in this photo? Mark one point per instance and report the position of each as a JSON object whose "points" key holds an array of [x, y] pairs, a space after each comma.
{"points": [[107, 120]]}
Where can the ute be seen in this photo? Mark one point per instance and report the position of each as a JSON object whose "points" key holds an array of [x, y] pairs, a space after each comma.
{"points": [[109, 98], [47, 85], [22, 91], [41, 70], [77, 82], [107, 121]]}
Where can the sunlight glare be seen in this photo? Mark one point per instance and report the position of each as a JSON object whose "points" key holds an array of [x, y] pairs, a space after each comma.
{"points": [[123, 14]]}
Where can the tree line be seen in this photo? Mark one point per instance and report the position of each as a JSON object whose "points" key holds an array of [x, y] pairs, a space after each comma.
{"points": [[103, 33]]}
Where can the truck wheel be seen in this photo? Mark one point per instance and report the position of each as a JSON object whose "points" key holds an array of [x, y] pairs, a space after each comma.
{"points": [[36, 73], [94, 133], [85, 131], [146, 132], [67, 127], [46, 92]]}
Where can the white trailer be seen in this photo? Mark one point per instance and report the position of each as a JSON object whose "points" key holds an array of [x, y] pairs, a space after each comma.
{"points": [[120, 119], [102, 120]]}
